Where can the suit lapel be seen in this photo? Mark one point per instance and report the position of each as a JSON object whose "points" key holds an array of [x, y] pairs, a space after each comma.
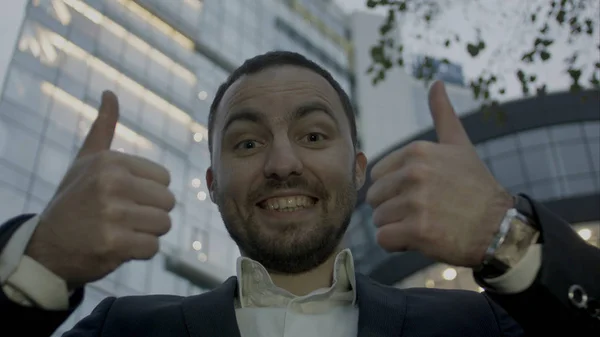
{"points": [[379, 313], [212, 314]]}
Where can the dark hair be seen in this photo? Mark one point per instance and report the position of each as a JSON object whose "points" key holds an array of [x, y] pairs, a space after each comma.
{"points": [[272, 59]]}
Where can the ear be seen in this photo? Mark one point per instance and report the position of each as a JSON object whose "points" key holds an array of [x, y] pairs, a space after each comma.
{"points": [[360, 169], [210, 183]]}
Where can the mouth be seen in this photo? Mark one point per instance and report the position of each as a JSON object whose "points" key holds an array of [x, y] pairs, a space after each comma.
{"points": [[290, 203]]}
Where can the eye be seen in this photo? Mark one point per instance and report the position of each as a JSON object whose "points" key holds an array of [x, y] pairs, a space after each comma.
{"points": [[247, 145], [314, 137]]}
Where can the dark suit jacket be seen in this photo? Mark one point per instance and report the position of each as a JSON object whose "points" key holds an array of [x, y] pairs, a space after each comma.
{"points": [[543, 310]]}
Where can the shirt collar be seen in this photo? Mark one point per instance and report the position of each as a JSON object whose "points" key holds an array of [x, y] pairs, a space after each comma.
{"points": [[256, 288]]}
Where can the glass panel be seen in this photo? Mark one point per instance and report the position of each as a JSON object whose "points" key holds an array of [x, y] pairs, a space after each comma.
{"points": [[539, 162], [534, 137], [502, 145], [545, 190], [572, 159], [23, 154], [566, 132], [594, 150], [507, 169], [161, 280], [592, 129], [12, 202], [24, 89], [10, 175], [219, 249], [135, 275], [580, 185], [53, 163]]}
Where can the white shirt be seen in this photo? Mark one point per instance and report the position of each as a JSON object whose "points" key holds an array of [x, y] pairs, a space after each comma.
{"points": [[262, 309]]}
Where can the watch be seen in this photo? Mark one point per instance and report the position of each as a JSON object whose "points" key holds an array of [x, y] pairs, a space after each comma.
{"points": [[517, 232]]}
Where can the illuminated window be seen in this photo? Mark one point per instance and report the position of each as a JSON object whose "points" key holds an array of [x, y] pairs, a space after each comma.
{"points": [[106, 77]]}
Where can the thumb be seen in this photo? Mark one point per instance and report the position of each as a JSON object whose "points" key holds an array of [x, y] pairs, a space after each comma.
{"points": [[102, 131], [448, 127]]}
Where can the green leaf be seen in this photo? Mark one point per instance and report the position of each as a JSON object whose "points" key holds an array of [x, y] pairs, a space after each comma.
{"points": [[447, 43], [472, 49], [528, 57], [544, 55], [371, 3], [533, 17], [544, 29], [560, 17], [502, 91], [532, 78], [400, 62]]}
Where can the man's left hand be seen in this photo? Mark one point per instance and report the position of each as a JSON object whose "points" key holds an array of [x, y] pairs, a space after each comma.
{"points": [[438, 198]]}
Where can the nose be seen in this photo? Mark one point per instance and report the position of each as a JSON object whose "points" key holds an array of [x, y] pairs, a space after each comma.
{"points": [[282, 161]]}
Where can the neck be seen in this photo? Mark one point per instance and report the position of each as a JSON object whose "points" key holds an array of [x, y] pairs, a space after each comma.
{"points": [[304, 283]]}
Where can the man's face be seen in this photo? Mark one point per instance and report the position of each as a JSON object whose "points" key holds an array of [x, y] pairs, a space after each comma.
{"points": [[285, 173]]}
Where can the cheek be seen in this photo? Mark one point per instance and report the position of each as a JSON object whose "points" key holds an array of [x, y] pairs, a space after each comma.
{"points": [[236, 179]]}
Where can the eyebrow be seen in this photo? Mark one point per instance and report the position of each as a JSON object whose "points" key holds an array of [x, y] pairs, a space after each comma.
{"points": [[254, 116]]}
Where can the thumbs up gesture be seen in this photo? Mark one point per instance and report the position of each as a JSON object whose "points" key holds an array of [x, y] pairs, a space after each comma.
{"points": [[438, 198], [109, 208]]}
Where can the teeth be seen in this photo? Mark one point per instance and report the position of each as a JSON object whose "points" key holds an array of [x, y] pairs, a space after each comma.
{"points": [[288, 204]]}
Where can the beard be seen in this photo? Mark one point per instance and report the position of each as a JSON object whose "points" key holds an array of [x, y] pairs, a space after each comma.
{"points": [[297, 247]]}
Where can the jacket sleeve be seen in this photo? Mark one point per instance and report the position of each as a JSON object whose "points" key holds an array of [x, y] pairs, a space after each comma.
{"points": [[93, 324], [545, 307], [29, 320]]}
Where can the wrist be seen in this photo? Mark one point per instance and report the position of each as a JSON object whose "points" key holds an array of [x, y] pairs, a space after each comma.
{"points": [[516, 233]]}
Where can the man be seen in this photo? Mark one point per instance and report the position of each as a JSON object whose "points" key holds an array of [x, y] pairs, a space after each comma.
{"points": [[284, 173]]}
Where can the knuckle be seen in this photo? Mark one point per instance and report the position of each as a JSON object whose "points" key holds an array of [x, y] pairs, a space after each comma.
{"points": [[171, 200], [418, 173], [419, 148], [112, 213], [111, 180]]}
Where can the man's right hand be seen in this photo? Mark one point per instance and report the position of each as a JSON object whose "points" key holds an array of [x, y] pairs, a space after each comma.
{"points": [[109, 208]]}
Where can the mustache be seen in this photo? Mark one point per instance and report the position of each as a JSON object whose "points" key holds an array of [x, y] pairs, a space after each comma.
{"points": [[272, 186]]}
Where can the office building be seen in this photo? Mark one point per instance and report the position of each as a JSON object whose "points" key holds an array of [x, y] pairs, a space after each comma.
{"points": [[396, 108], [164, 60], [547, 148]]}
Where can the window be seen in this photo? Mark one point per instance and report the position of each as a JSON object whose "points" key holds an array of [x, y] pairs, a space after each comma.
{"points": [[24, 89], [220, 249], [534, 137], [152, 119], [539, 162], [161, 280], [53, 163], [176, 166], [572, 159], [10, 175], [43, 190], [62, 127], [12, 201], [507, 169], [134, 275], [24, 146], [502, 145], [566, 132], [135, 59], [580, 185]]}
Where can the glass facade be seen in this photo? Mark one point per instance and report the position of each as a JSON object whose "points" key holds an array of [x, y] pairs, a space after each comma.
{"points": [[547, 163], [164, 60]]}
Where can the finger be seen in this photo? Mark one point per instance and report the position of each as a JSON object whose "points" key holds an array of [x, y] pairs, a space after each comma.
{"points": [[146, 192], [396, 183], [418, 150], [144, 168], [396, 237], [141, 246], [102, 131], [146, 219], [392, 210], [447, 124]]}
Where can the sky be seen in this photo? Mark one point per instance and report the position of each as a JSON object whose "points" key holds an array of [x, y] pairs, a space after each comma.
{"points": [[497, 33]]}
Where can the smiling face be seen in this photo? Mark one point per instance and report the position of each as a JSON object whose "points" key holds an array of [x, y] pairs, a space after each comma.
{"points": [[285, 172]]}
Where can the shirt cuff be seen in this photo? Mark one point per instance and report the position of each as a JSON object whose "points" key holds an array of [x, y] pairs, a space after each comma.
{"points": [[15, 248], [41, 286], [521, 276]]}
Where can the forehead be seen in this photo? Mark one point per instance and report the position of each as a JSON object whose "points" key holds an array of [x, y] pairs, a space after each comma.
{"points": [[276, 89]]}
